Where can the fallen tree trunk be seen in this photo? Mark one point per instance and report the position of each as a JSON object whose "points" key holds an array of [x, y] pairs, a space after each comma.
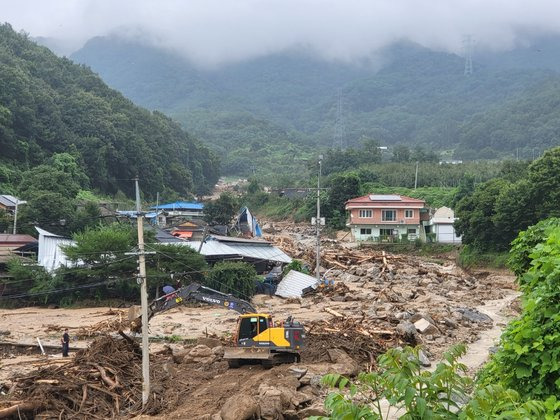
{"points": [[16, 408]]}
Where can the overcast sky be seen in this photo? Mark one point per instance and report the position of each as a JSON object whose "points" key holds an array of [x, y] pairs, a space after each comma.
{"points": [[211, 32]]}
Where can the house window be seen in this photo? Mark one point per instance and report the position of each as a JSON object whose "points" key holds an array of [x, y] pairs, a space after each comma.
{"points": [[366, 213], [385, 232], [388, 215], [409, 214], [366, 231], [412, 231]]}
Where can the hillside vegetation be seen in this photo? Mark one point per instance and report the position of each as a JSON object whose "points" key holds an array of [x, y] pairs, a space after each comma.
{"points": [[253, 110], [49, 105]]}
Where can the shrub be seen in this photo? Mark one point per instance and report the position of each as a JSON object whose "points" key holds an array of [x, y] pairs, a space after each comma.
{"points": [[420, 394], [522, 247], [235, 278]]}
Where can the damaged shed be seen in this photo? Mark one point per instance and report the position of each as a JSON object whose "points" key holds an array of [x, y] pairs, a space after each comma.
{"points": [[293, 284]]}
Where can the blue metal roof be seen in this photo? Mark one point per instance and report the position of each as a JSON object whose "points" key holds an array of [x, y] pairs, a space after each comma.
{"points": [[180, 205]]}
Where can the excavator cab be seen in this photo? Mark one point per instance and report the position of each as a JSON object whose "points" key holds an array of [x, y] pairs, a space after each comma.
{"points": [[251, 326]]}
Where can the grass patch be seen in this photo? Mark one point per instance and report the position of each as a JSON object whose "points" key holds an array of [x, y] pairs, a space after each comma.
{"points": [[472, 258]]}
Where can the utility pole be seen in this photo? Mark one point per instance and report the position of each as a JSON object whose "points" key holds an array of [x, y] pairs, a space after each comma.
{"points": [[18, 202], [15, 217], [318, 222], [144, 300], [416, 176]]}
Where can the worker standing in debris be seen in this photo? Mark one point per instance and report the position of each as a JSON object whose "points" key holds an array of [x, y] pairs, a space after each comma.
{"points": [[65, 340]]}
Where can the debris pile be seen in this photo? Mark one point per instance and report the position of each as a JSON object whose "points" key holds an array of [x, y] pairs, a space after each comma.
{"points": [[103, 381], [357, 336]]}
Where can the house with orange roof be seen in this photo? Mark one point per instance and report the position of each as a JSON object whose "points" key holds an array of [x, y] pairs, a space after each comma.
{"points": [[387, 218]]}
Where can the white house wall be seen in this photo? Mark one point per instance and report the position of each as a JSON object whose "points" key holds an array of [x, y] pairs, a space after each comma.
{"points": [[445, 233], [50, 255], [376, 231]]}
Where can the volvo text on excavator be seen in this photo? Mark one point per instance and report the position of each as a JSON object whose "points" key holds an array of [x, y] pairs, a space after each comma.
{"points": [[257, 337]]}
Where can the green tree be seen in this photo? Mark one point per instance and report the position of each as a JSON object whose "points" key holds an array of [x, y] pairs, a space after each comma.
{"points": [[476, 214], [371, 151], [46, 178], [49, 210], [514, 210], [235, 278], [222, 210], [342, 188], [172, 264], [544, 176], [401, 153]]}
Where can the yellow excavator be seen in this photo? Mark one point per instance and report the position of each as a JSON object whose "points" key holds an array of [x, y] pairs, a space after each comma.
{"points": [[257, 338]]}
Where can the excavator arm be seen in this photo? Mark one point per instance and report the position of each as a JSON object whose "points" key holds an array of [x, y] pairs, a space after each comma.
{"points": [[199, 293]]}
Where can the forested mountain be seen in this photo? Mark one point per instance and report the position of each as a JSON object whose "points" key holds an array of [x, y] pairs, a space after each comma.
{"points": [[49, 105], [407, 95]]}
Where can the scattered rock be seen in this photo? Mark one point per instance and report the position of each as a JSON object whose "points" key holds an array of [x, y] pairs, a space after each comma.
{"points": [[313, 410], [315, 380], [423, 358], [178, 352], [239, 407], [425, 327], [407, 330], [343, 364], [209, 342], [473, 315], [270, 402], [298, 372], [200, 351], [403, 315], [448, 322], [218, 351]]}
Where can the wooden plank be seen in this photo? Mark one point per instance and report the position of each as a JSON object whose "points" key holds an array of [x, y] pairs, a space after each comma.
{"points": [[334, 313]]}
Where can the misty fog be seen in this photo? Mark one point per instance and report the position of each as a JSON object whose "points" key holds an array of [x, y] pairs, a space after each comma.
{"points": [[212, 32]]}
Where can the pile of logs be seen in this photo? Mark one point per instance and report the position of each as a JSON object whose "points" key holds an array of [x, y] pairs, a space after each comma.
{"points": [[358, 337], [334, 256], [118, 323], [103, 381]]}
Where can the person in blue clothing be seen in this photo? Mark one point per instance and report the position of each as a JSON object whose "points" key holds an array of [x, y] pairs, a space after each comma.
{"points": [[167, 289]]}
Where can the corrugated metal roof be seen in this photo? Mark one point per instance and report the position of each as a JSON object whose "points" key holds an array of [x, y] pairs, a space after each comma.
{"points": [[19, 238], [180, 205], [8, 200], [241, 240], [259, 252], [293, 283]]}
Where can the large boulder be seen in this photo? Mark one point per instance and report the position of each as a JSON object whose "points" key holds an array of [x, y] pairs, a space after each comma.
{"points": [[407, 330], [178, 352], [209, 342], [343, 364], [472, 315], [239, 407], [200, 351]]}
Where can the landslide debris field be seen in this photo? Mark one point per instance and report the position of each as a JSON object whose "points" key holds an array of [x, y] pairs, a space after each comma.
{"points": [[378, 301]]}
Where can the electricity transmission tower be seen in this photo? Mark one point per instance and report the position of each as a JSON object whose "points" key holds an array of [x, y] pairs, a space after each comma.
{"points": [[339, 141], [468, 46]]}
